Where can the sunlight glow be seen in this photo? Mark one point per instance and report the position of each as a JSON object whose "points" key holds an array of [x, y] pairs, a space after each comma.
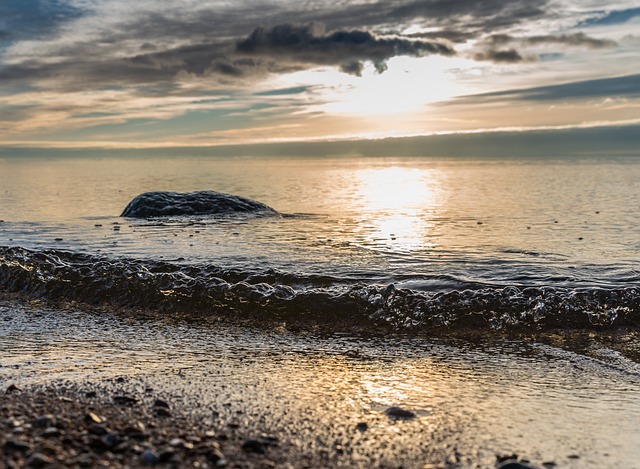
{"points": [[406, 87], [393, 201]]}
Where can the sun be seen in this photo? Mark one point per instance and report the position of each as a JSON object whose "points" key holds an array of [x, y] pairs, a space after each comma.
{"points": [[406, 87]]}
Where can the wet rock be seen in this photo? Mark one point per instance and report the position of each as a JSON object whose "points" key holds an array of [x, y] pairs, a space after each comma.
{"points": [[149, 458], [254, 446], [167, 204], [400, 413]]}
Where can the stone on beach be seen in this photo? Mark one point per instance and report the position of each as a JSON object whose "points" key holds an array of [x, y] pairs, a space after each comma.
{"points": [[168, 204]]}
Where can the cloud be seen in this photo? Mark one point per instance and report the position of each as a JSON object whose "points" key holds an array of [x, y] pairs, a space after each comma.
{"points": [[500, 56], [310, 44], [495, 48], [464, 15], [617, 87], [578, 39]]}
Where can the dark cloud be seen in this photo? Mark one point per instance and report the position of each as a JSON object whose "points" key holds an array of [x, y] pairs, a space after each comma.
{"points": [[311, 45], [578, 39], [500, 56], [618, 87]]}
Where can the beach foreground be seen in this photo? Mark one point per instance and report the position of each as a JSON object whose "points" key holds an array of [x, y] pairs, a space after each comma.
{"points": [[96, 389]]}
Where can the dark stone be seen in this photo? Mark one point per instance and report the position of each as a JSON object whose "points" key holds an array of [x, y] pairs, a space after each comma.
{"points": [[168, 204], [162, 412], [96, 429], [167, 455], [105, 442], [362, 426], [43, 422], [511, 464], [254, 446], [91, 394], [506, 457], [12, 388], [124, 400], [160, 403], [149, 458], [400, 413], [15, 446]]}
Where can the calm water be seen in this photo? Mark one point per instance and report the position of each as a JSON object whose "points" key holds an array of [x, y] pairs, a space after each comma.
{"points": [[425, 226]]}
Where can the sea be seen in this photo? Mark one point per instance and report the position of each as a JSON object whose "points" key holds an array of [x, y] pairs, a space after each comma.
{"points": [[498, 299], [412, 244]]}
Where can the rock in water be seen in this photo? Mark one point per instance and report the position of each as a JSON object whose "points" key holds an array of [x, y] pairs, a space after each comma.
{"points": [[168, 204]]}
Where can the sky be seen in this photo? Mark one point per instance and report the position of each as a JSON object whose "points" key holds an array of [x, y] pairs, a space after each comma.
{"points": [[196, 73]]}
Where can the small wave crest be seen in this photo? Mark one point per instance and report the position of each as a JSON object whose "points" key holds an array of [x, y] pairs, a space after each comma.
{"points": [[272, 295]]}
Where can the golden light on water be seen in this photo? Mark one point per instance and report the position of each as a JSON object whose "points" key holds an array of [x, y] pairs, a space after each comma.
{"points": [[394, 203]]}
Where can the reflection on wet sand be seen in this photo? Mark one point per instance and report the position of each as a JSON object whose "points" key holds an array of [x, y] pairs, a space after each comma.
{"points": [[472, 401]]}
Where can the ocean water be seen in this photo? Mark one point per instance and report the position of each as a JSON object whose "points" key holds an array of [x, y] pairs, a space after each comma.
{"points": [[410, 243]]}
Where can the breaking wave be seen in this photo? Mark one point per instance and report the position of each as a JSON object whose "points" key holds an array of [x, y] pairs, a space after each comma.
{"points": [[272, 295]]}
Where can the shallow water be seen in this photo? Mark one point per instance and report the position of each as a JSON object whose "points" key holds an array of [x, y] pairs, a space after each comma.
{"points": [[566, 220], [475, 399], [378, 236]]}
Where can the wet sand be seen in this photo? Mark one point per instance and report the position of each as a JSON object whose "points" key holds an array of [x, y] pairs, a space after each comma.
{"points": [[192, 395]]}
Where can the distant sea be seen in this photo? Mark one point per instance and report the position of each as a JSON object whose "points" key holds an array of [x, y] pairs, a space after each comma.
{"points": [[423, 244]]}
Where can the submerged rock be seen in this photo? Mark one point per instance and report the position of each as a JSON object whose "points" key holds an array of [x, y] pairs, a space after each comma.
{"points": [[167, 204]]}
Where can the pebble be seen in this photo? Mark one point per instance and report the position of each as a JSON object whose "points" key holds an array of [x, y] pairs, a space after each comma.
{"points": [[254, 446], [362, 426], [162, 412], [39, 460], [91, 417], [149, 458], [16, 446], [124, 400], [511, 464], [43, 422], [12, 388], [160, 403], [51, 432], [400, 413]]}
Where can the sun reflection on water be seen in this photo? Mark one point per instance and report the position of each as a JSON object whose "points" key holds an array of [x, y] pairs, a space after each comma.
{"points": [[396, 205]]}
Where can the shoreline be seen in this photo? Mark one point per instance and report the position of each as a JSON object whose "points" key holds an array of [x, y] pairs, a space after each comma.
{"points": [[320, 398]]}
